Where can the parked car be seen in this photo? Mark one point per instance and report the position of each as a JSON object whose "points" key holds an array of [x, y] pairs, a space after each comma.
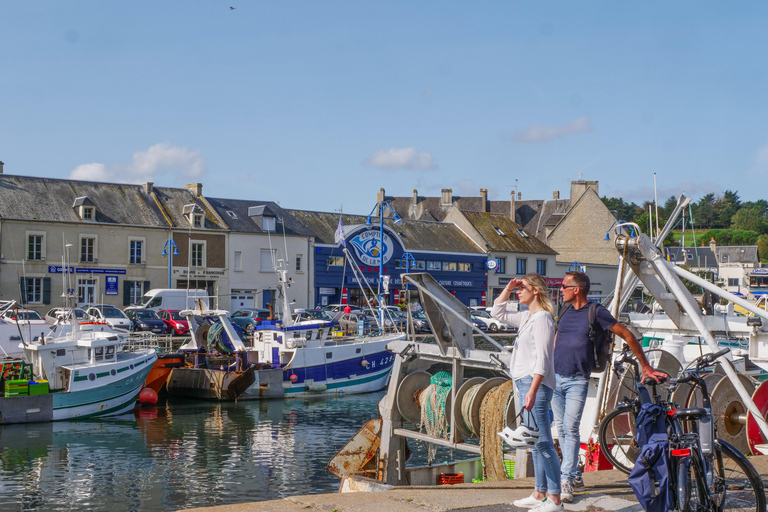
{"points": [[111, 316], [336, 310], [146, 320], [304, 316], [174, 322], [24, 316], [420, 322], [491, 323], [478, 323], [52, 315], [248, 318], [392, 318], [351, 321]]}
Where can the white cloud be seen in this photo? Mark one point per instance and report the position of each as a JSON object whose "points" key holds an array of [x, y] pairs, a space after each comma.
{"points": [[401, 158], [760, 167], [537, 134], [148, 165]]}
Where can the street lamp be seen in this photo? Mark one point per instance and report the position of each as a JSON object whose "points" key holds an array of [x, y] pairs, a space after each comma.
{"points": [[382, 208], [407, 258], [170, 244]]}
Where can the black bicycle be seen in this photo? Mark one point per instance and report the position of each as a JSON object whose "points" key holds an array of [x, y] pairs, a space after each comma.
{"points": [[707, 473]]}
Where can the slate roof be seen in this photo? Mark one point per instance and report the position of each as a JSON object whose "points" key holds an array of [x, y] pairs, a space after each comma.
{"points": [[738, 254], [416, 235], [580, 236], [510, 239], [175, 199], [692, 256], [242, 223], [533, 215], [25, 197]]}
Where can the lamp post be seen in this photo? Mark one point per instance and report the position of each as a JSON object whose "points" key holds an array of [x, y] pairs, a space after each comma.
{"points": [[407, 258], [170, 244], [382, 207]]}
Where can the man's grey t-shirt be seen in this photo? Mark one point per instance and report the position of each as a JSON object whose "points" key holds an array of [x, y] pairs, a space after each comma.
{"points": [[574, 351]]}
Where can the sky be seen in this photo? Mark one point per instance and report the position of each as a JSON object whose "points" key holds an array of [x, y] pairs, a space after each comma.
{"points": [[316, 105]]}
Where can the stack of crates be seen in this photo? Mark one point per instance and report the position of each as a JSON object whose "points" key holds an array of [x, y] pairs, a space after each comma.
{"points": [[16, 387], [38, 387]]}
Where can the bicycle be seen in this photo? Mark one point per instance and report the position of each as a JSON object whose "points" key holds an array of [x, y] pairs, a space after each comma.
{"points": [[707, 473]]}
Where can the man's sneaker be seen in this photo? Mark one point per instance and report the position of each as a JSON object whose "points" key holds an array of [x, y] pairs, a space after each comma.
{"points": [[566, 492], [548, 506], [577, 484], [529, 502]]}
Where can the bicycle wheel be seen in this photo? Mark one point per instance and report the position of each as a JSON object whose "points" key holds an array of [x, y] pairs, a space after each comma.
{"points": [[616, 435], [743, 489]]}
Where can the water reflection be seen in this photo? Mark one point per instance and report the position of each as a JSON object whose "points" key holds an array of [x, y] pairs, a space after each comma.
{"points": [[181, 454]]}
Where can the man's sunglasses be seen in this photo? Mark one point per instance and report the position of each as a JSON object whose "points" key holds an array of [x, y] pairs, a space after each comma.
{"points": [[569, 286]]}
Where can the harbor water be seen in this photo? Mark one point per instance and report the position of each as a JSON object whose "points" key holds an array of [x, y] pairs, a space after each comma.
{"points": [[180, 454]]}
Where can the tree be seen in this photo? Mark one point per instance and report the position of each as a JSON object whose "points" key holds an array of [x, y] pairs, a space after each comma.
{"points": [[762, 248], [704, 216], [669, 207], [726, 208], [751, 219], [624, 211]]}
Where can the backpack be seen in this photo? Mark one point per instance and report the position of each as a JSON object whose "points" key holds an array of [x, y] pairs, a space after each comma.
{"points": [[602, 339], [649, 478]]}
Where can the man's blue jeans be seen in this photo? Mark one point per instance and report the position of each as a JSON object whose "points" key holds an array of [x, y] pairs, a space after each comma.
{"points": [[546, 465], [568, 405]]}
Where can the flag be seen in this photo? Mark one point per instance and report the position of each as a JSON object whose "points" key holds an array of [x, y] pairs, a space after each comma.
{"points": [[339, 237]]}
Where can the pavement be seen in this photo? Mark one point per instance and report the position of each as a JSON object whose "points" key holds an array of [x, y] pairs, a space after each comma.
{"points": [[605, 491]]}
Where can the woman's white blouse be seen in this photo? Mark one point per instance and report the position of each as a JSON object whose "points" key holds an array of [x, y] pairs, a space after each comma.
{"points": [[535, 343]]}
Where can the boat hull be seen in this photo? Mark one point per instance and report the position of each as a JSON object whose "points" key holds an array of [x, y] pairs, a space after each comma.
{"points": [[108, 399]]}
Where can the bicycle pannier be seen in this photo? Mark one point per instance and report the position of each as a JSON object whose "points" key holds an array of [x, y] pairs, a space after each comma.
{"points": [[650, 420], [649, 478]]}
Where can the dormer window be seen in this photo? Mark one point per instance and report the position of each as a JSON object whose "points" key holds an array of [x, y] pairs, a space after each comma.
{"points": [[264, 217], [195, 215], [268, 224], [85, 209]]}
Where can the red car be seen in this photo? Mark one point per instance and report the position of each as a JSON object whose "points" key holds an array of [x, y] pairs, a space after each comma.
{"points": [[174, 322]]}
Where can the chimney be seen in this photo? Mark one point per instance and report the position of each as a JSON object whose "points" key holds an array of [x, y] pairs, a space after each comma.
{"points": [[1, 167], [148, 187], [713, 244], [415, 197], [380, 197], [556, 194], [519, 196], [484, 199], [512, 207], [195, 188], [447, 199]]}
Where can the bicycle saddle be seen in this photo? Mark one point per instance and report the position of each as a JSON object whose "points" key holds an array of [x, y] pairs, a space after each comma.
{"points": [[693, 413]]}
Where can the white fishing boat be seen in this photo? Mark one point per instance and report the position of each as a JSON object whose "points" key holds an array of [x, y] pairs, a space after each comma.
{"points": [[74, 375]]}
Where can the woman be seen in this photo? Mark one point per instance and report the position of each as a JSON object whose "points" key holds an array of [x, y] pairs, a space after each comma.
{"points": [[533, 370]]}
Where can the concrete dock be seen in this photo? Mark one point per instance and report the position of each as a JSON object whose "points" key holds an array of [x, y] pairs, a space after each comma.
{"points": [[605, 490]]}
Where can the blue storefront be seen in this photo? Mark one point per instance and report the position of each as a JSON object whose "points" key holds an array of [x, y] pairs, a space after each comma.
{"points": [[462, 272]]}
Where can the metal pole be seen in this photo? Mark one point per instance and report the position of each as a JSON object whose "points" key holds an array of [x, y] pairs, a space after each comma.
{"points": [[170, 262], [381, 266]]}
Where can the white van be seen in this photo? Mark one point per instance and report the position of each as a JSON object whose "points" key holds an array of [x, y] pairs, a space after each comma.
{"points": [[173, 299]]}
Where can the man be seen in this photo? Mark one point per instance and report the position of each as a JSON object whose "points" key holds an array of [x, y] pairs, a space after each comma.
{"points": [[574, 360]]}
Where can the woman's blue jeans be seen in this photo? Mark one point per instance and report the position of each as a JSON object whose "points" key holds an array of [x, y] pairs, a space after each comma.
{"points": [[546, 464]]}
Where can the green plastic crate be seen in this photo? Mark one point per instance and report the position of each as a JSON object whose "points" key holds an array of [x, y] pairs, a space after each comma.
{"points": [[38, 388]]}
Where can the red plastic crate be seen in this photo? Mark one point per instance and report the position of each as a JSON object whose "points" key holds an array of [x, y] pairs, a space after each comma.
{"points": [[450, 478]]}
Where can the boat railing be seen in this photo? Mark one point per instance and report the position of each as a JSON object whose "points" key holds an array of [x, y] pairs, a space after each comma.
{"points": [[162, 343]]}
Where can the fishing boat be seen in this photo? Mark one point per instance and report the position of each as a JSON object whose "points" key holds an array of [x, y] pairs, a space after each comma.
{"points": [[286, 359], [73, 375]]}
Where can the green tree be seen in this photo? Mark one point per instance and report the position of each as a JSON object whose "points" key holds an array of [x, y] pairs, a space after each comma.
{"points": [[762, 248], [749, 218], [725, 208], [704, 216]]}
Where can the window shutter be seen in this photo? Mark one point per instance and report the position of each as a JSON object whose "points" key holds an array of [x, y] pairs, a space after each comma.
{"points": [[127, 292], [46, 290], [23, 289]]}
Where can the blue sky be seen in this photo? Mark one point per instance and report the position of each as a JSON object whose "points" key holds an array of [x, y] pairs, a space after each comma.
{"points": [[316, 105]]}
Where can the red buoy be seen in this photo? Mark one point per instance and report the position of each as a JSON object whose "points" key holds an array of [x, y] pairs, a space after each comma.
{"points": [[364, 363], [148, 396], [294, 377]]}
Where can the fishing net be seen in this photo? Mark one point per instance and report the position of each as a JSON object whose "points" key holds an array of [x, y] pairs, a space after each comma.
{"points": [[432, 401], [493, 420]]}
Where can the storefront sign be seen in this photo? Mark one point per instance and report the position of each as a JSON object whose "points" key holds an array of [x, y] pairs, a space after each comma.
{"points": [[110, 285], [368, 247], [327, 291], [53, 269]]}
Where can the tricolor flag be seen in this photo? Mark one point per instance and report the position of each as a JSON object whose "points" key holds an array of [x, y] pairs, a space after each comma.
{"points": [[339, 237]]}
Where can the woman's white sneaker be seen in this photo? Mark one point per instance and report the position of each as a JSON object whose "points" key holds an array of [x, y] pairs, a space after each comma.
{"points": [[548, 506], [529, 502]]}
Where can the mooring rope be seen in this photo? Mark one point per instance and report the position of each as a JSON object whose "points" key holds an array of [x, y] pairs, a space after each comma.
{"points": [[492, 421]]}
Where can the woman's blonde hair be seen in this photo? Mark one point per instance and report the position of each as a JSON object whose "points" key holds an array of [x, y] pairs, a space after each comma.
{"points": [[539, 283]]}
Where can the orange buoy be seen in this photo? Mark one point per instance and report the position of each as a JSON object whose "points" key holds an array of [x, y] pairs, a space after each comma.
{"points": [[148, 396], [294, 377]]}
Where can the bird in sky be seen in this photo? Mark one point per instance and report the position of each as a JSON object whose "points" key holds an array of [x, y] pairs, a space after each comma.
{"points": [[231, 8]]}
